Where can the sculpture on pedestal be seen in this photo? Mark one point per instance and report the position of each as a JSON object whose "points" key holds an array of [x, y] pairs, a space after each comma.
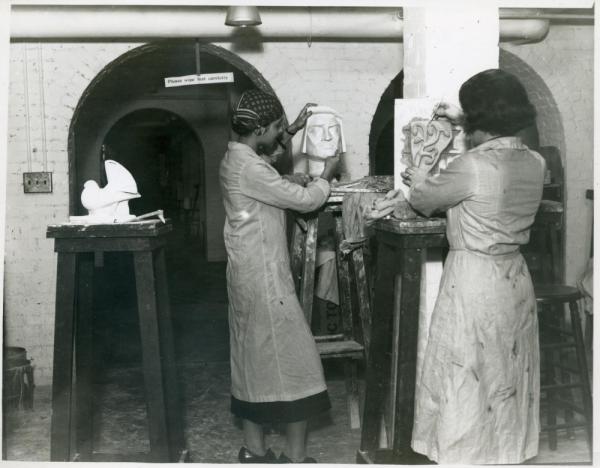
{"points": [[323, 137], [108, 204]]}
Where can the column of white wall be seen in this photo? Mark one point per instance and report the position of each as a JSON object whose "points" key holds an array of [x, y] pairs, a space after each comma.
{"points": [[4, 64], [444, 46]]}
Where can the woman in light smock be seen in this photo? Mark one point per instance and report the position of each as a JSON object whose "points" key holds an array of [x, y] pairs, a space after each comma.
{"points": [[276, 372], [478, 391]]}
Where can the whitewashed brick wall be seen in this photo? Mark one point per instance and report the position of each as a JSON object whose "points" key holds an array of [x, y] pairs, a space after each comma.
{"points": [[30, 262], [565, 61], [349, 77]]}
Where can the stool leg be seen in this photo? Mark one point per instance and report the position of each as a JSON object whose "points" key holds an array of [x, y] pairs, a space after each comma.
{"points": [[62, 376], [549, 379], [151, 356], [566, 394], [351, 375], [583, 369], [589, 335]]}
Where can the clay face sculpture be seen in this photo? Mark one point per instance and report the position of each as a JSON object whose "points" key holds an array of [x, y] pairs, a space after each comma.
{"points": [[323, 137], [420, 138], [425, 140], [108, 204]]}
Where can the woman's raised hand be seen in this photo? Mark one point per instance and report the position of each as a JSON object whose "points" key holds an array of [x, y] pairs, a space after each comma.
{"points": [[450, 111], [413, 175], [300, 121]]}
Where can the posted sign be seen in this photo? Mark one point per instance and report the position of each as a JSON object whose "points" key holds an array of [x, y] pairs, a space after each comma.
{"points": [[205, 78]]}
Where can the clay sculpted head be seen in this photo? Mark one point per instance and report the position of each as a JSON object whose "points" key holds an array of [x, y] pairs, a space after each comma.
{"points": [[323, 137]]}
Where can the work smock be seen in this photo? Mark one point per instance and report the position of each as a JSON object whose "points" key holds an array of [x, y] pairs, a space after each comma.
{"points": [[477, 395], [273, 353]]}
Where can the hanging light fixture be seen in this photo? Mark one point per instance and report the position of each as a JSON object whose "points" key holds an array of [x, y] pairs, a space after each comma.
{"points": [[242, 15]]}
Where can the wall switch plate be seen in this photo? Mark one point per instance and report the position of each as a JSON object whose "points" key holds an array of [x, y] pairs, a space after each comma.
{"points": [[37, 182]]}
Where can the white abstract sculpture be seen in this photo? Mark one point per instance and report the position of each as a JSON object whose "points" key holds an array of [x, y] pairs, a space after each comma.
{"points": [[323, 137], [108, 204]]}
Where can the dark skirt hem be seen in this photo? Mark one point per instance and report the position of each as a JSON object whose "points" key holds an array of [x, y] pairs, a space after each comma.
{"points": [[281, 411]]}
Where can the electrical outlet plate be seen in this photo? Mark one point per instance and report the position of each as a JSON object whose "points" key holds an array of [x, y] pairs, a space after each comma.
{"points": [[37, 182]]}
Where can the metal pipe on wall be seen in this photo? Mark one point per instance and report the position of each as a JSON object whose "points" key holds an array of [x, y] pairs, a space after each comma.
{"points": [[65, 22]]}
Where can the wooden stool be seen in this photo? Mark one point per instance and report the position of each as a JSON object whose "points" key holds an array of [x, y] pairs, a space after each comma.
{"points": [[589, 317], [80, 248], [350, 344], [555, 340], [558, 339]]}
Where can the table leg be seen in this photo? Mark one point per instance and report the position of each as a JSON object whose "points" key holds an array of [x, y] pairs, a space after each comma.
{"points": [[307, 283], [407, 350], [62, 377], [363, 295], [171, 378], [297, 253], [378, 361], [151, 357], [83, 357]]}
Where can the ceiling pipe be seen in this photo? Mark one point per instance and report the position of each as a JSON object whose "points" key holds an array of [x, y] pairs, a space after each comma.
{"points": [[64, 22]]}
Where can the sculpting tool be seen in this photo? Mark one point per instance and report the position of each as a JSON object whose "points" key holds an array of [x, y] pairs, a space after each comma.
{"points": [[158, 213]]}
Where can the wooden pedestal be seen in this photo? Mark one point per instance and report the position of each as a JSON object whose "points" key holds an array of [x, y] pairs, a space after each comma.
{"points": [[399, 253], [80, 249]]}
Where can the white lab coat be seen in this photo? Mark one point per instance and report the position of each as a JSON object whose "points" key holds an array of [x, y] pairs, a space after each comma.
{"points": [[273, 353], [477, 395]]}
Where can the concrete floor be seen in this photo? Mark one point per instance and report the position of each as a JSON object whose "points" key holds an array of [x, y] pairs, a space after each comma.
{"points": [[199, 304], [212, 434]]}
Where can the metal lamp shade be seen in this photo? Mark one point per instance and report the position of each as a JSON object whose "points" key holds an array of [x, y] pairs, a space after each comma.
{"points": [[242, 15]]}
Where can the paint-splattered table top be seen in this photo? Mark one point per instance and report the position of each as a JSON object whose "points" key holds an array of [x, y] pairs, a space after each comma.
{"points": [[148, 228]]}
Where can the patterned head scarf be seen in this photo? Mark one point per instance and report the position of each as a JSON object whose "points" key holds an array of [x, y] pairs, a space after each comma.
{"points": [[254, 109]]}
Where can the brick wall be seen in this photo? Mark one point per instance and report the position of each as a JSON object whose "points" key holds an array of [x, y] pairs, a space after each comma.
{"points": [[346, 76], [565, 62], [30, 263]]}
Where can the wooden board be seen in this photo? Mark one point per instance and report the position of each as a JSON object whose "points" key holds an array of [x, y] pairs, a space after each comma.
{"points": [[372, 184], [149, 228], [346, 348]]}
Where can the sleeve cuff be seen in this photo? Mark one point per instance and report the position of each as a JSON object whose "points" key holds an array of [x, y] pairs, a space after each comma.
{"points": [[322, 184]]}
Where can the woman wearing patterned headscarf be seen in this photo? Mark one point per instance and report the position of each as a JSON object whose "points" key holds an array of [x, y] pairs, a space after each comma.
{"points": [[276, 372]]}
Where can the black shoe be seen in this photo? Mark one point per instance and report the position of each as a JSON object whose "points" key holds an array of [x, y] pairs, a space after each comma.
{"points": [[246, 456], [284, 459]]}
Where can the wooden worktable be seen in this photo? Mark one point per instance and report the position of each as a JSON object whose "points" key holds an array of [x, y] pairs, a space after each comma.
{"points": [[400, 244]]}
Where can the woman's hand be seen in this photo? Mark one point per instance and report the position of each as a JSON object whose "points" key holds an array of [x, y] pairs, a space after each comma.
{"points": [[413, 175], [450, 111], [331, 164], [298, 178], [300, 121]]}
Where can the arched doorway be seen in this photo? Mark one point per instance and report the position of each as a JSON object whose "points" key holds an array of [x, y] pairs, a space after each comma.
{"points": [[168, 160], [547, 136], [381, 136], [172, 141], [135, 81]]}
